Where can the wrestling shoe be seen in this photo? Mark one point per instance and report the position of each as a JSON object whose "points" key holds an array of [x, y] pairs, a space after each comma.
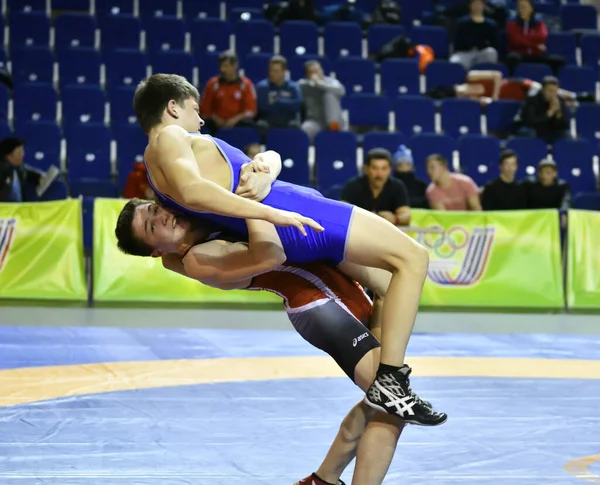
{"points": [[315, 480], [391, 393]]}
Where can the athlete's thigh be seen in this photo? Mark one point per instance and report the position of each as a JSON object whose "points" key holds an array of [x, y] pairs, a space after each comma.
{"points": [[377, 280]]}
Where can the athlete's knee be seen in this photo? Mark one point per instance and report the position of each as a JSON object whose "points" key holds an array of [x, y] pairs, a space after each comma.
{"points": [[411, 257]]}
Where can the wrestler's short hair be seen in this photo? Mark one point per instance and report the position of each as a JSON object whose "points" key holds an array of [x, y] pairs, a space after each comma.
{"points": [[153, 94], [126, 240]]}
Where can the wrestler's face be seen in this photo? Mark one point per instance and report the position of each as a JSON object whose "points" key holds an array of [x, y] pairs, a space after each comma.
{"points": [[188, 115], [162, 230]]}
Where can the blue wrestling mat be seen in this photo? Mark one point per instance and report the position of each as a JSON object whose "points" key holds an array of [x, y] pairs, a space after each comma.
{"points": [[110, 406]]}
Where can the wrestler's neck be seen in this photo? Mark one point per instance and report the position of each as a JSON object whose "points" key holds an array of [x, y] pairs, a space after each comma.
{"points": [[197, 235], [153, 133]]}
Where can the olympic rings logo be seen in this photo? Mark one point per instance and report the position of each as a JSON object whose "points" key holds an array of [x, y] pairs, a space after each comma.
{"points": [[445, 244]]}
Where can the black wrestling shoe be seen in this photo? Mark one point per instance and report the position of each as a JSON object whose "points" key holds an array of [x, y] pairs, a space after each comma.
{"points": [[391, 393]]}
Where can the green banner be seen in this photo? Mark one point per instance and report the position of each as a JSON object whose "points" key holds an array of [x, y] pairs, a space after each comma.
{"points": [[583, 260], [491, 259], [41, 251], [122, 278]]}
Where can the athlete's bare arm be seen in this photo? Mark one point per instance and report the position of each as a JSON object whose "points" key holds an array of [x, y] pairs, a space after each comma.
{"points": [[173, 262]]}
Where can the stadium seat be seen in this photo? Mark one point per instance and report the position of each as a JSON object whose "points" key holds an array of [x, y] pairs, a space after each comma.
{"points": [[414, 115], [428, 144], [33, 102], [239, 137], [91, 187], [578, 17], [131, 144], [292, 145], [400, 76], [460, 117], [211, 35], [105, 8], [491, 66], [578, 79], [165, 34], [88, 151], [414, 11], [238, 15], [342, 39], [500, 116], [201, 9], [158, 8], [530, 152], [574, 160], [75, 30], [82, 104], [434, 36], [129, 28], [587, 201], [208, 65], [32, 65], [5, 131], [181, 63], [3, 58], [298, 37], [296, 65], [125, 67], [377, 139], [536, 72], [587, 118], [241, 5], [58, 190], [43, 143], [28, 6], [590, 50], [335, 158], [29, 29], [380, 34], [254, 37], [479, 156], [73, 5], [444, 73], [367, 110], [256, 66], [79, 66], [121, 106], [563, 44], [356, 74]]}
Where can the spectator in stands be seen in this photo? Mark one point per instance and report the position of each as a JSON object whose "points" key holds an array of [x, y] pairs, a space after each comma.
{"points": [[505, 193], [545, 114], [476, 37], [527, 35], [375, 191], [229, 99], [137, 183], [404, 170], [14, 174], [322, 100], [252, 150], [279, 99], [450, 191], [547, 191]]}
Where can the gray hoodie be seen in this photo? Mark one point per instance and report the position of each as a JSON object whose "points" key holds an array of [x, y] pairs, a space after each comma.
{"points": [[313, 93]]}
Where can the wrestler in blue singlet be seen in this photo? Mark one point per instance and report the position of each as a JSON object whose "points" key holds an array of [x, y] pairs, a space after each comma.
{"points": [[334, 216]]}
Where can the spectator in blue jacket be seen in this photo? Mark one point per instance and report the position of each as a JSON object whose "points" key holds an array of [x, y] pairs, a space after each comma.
{"points": [[279, 99], [476, 38]]}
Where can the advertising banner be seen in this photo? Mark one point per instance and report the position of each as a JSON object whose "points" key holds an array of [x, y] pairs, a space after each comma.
{"points": [[583, 260], [41, 251]]}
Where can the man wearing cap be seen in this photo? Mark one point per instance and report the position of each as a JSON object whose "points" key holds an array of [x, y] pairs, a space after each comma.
{"points": [[404, 170], [14, 175], [547, 191]]}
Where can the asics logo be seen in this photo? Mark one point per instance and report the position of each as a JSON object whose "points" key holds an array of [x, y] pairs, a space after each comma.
{"points": [[358, 339]]}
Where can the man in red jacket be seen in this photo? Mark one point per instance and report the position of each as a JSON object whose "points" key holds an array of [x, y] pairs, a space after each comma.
{"points": [[527, 35]]}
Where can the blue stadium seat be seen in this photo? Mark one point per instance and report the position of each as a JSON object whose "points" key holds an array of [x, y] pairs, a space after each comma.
{"points": [[367, 110], [427, 144], [211, 35], [58, 190], [121, 106], [587, 118], [574, 160], [578, 79], [536, 72], [105, 8], [490, 66], [434, 36], [590, 50], [256, 66], [73, 5], [5, 97], [298, 37], [342, 39], [29, 29], [88, 151], [444, 73], [563, 44], [82, 104], [296, 65], [587, 201], [530, 151], [400, 76], [33, 102], [32, 65], [356, 74], [335, 158], [125, 67], [129, 28], [238, 15], [412, 10], [79, 66], [92, 187], [165, 34], [479, 156], [292, 145], [75, 30], [131, 144], [461, 117], [380, 34], [28, 6], [5, 131], [208, 65], [43, 143], [181, 63], [239, 137], [254, 37], [578, 17], [500, 116], [3, 58], [240, 5], [414, 115], [377, 139], [158, 8], [201, 9]]}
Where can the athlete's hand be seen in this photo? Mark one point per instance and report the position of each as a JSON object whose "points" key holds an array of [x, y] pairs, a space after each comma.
{"points": [[285, 219], [257, 165], [254, 185]]}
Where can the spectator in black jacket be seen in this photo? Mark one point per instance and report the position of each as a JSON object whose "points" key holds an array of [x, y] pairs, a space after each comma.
{"points": [[14, 175], [404, 170], [505, 193], [545, 114], [548, 191]]}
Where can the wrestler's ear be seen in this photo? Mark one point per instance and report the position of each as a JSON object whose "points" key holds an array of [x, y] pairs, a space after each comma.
{"points": [[173, 108], [157, 253]]}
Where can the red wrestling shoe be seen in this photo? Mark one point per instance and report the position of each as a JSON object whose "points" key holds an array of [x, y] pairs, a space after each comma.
{"points": [[315, 480]]}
